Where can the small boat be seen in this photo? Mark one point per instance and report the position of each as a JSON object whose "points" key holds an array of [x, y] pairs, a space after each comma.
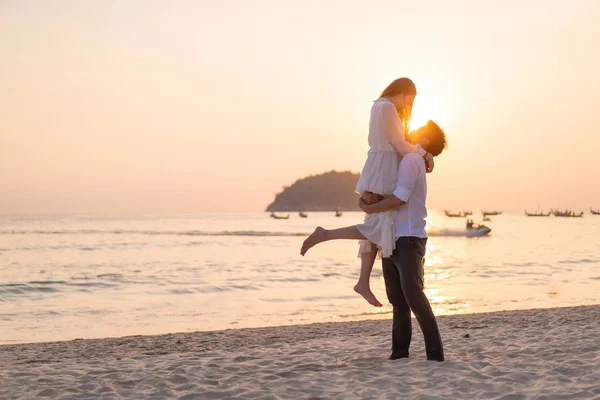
{"points": [[467, 213], [490, 213], [478, 231], [454, 215], [577, 215], [274, 216], [302, 215], [594, 212], [475, 230], [566, 213], [537, 214]]}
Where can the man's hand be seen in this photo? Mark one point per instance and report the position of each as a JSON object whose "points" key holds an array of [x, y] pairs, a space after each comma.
{"points": [[364, 206], [429, 164], [370, 198], [387, 203]]}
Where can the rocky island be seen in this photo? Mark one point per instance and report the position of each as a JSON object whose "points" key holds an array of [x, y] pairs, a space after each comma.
{"points": [[324, 192]]}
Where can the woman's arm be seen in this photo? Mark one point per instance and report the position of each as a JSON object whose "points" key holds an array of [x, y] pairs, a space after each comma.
{"points": [[394, 131]]}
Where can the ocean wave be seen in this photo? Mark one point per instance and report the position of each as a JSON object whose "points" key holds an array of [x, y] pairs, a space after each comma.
{"points": [[32, 287], [579, 261], [432, 233], [455, 233], [153, 233], [21, 288]]}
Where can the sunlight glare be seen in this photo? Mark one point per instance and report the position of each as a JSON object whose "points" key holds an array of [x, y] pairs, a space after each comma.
{"points": [[428, 108]]}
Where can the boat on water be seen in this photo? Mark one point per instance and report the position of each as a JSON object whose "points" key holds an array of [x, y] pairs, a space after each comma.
{"points": [[474, 230], [481, 230], [275, 216], [467, 213], [537, 214], [566, 213], [490, 213], [302, 214], [451, 214], [594, 212]]}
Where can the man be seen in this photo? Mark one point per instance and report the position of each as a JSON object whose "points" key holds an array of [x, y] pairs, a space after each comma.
{"points": [[403, 271]]}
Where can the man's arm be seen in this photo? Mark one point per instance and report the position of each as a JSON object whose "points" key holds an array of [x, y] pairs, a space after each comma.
{"points": [[371, 198], [388, 203], [408, 173]]}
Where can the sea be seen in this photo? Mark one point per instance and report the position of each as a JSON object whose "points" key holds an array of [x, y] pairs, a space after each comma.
{"points": [[65, 277]]}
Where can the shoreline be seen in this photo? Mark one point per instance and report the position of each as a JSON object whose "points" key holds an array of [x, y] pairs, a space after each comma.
{"points": [[200, 341], [537, 353]]}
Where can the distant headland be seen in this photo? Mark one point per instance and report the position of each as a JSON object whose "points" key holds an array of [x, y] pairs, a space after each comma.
{"points": [[324, 192]]}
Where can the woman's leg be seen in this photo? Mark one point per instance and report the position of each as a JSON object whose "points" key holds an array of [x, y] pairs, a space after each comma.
{"points": [[363, 287], [322, 235], [367, 260]]}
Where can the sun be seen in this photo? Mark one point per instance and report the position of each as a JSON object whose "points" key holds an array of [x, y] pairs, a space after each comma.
{"points": [[428, 108]]}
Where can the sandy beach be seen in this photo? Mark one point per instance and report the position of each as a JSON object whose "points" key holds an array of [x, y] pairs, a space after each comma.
{"points": [[544, 353]]}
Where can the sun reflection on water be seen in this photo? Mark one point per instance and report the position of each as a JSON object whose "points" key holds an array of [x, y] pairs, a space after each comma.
{"points": [[437, 274], [445, 305]]}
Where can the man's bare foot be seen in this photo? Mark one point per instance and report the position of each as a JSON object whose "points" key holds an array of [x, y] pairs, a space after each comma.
{"points": [[365, 292], [318, 236]]}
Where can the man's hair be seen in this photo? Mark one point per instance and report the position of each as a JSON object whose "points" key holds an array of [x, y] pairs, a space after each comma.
{"points": [[436, 136]]}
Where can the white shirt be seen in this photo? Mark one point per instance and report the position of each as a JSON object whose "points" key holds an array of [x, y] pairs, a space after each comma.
{"points": [[411, 187], [386, 143]]}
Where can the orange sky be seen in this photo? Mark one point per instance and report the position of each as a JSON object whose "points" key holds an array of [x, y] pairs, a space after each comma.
{"points": [[195, 106]]}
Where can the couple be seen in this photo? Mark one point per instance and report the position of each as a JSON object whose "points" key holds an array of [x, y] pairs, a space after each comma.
{"points": [[393, 190]]}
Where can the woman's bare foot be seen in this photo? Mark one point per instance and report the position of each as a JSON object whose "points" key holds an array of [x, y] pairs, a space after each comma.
{"points": [[318, 236], [365, 292]]}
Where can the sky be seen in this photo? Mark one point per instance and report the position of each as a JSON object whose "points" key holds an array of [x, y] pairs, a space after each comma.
{"points": [[214, 106]]}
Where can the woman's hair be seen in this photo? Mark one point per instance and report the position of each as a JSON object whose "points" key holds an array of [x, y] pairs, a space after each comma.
{"points": [[401, 86]]}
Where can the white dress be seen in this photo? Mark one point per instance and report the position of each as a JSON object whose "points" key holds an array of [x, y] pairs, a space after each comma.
{"points": [[379, 175]]}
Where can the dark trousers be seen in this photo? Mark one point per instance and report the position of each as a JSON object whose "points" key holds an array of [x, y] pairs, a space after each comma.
{"points": [[403, 274]]}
